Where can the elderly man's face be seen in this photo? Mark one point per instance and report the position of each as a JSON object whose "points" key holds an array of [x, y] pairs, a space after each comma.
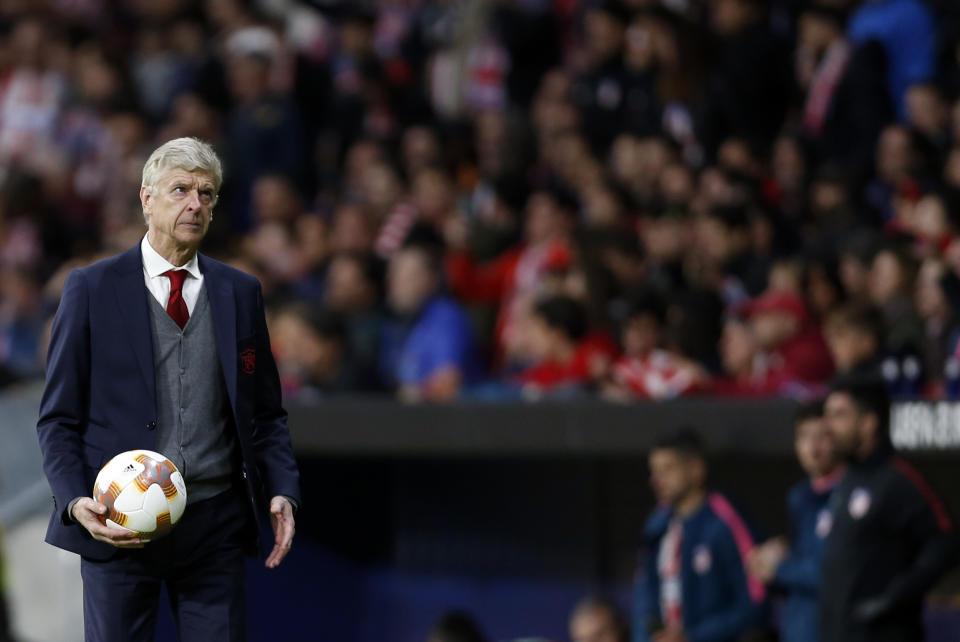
{"points": [[179, 207]]}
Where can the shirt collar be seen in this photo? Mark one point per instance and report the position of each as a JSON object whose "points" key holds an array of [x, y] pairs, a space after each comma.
{"points": [[157, 265]]}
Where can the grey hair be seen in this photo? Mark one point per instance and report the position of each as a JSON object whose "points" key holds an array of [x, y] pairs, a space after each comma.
{"points": [[190, 154]]}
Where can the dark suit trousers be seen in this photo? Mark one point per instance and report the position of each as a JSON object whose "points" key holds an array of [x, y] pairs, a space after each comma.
{"points": [[202, 563]]}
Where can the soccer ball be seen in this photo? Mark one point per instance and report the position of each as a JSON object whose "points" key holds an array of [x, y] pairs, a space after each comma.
{"points": [[143, 492]]}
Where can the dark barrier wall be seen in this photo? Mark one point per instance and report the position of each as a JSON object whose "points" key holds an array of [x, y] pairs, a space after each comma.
{"points": [[356, 427]]}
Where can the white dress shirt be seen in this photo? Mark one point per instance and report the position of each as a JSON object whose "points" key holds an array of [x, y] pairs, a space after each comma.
{"points": [[155, 265]]}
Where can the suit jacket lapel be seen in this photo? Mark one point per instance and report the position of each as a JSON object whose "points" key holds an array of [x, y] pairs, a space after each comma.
{"points": [[224, 310], [132, 301]]}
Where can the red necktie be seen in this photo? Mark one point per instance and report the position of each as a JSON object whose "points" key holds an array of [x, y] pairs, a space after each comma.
{"points": [[176, 306]]}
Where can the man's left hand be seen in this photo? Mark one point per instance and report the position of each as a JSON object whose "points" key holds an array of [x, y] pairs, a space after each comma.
{"points": [[281, 519], [764, 560]]}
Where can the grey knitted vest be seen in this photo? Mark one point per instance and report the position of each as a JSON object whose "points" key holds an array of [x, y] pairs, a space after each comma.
{"points": [[194, 429]]}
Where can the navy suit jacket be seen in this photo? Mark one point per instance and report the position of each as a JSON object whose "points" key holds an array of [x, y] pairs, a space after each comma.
{"points": [[99, 398]]}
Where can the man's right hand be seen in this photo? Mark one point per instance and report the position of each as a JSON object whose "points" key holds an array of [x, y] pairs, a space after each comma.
{"points": [[89, 513]]}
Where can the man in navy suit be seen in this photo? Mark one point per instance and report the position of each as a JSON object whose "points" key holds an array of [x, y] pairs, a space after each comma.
{"points": [[165, 349]]}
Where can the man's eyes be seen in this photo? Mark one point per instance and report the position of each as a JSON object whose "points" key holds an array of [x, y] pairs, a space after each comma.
{"points": [[206, 196]]}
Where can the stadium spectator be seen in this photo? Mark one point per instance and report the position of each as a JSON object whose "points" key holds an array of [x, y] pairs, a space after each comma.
{"points": [[855, 335], [832, 215], [351, 229], [665, 234], [906, 30], [597, 619], [748, 371], [821, 286], [283, 240], [822, 58], [34, 93], [891, 275], [747, 91], [564, 360], [314, 356], [856, 256], [928, 117], [890, 537], [695, 586], [729, 261], [783, 328], [353, 291], [600, 90], [428, 352], [847, 102], [647, 370], [895, 160], [931, 226], [940, 322], [793, 566], [21, 323], [264, 133]]}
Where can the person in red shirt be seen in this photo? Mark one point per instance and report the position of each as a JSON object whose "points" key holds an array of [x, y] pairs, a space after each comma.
{"points": [[646, 370], [783, 328], [749, 371], [565, 357]]}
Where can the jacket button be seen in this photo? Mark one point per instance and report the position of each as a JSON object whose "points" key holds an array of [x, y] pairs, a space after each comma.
{"points": [[152, 425]]}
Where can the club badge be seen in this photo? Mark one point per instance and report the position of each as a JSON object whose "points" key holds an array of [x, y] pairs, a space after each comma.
{"points": [[859, 503], [702, 560], [248, 361], [824, 523]]}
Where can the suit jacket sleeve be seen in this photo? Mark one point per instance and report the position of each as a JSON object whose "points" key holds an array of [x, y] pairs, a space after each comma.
{"points": [[64, 405], [270, 435]]}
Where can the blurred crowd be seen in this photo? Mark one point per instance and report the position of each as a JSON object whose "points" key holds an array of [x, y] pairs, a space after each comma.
{"points": [[515, 198]]}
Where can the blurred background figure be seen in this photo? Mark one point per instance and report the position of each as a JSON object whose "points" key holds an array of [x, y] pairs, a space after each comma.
{"points": [[428, 351], [563, 358], [856, 336], [695, 585], [875, 592], [793, 566], [315, 356], [353, 290], [650, 368], [597, 619], [748, 370]]}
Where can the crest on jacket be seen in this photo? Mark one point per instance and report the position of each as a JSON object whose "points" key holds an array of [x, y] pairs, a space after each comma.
{"points": [[859, 503], [248, 361]]}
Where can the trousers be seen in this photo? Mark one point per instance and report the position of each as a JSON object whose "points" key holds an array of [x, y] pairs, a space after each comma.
{"points": [[202, 564]]}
